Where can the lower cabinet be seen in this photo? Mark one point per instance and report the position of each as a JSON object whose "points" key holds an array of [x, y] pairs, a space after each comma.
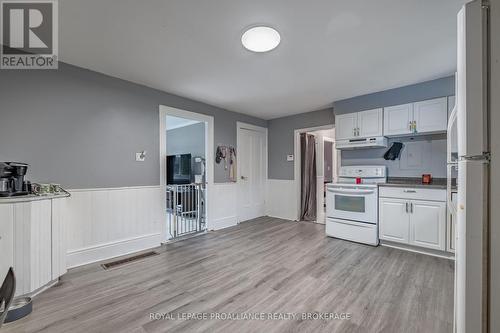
{"points": [[394, 221], [414, 222], [32, 241], [428, 224], [6, 239]]}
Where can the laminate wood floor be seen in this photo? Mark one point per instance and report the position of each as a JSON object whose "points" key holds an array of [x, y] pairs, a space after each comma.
{"points": [[263, 266]]}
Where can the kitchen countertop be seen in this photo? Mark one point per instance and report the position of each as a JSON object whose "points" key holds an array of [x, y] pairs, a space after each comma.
{"points": [[32, 197], [437, 183]]}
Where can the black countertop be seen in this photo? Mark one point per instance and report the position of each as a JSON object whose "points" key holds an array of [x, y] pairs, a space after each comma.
{"points": [[437, 183]]}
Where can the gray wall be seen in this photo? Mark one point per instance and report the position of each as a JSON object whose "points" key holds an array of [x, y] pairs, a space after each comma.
{"points": [[280, 139], [81, 129], [187, 140], [407, 94]]}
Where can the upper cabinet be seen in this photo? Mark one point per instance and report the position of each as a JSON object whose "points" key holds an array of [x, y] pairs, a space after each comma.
{"points": [[398, 120], [370, 123], [345, 126], [424, 117], [431, 116], [359, 125]]}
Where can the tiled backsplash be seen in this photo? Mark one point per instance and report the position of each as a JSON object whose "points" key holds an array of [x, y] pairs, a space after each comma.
{"points": [[419, 155]]}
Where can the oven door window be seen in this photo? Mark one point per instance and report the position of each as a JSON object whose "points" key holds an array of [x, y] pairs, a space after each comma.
{"points": [[350, 204]]}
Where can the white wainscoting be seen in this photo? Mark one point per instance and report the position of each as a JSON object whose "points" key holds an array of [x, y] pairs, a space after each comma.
{"points": [[224, 210], [282, 199], [106, 223]]}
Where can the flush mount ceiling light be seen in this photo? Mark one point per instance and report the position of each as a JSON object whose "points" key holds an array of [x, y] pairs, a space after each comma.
{"points": [[260, 39]]}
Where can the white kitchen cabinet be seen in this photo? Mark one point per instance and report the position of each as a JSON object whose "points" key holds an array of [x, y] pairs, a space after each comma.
{"points": [[394, 222], [431, 115], [358, 125], [345, 126], [33, 245], [397, 120], [59, 248], [33, 242], [414, 217], [6, 240], [370, 123], [428, 224]]}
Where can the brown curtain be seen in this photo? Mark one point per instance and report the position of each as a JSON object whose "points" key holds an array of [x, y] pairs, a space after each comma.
{"points": [[308, 177]]}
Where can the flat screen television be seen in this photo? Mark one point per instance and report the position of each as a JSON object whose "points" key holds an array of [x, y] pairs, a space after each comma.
{"points": [[179, 169]]}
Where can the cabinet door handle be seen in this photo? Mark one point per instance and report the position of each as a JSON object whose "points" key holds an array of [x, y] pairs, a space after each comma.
{"points": [[409, 191], [406, 206], [410, 125], [354, 131], [411, 207]]}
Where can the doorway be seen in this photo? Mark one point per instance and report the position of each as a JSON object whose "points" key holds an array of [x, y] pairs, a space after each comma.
{"points": [[252, 171], [326, 162], [186, 174]]}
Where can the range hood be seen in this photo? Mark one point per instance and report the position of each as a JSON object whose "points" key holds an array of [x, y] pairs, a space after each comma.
{"points": [[374, 142]]}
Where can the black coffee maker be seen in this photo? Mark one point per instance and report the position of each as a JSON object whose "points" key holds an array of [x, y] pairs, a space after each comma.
{"points": [[12, 181]]}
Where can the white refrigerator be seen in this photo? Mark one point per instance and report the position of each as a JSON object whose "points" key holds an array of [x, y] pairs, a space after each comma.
{"points": [[470, 120]]}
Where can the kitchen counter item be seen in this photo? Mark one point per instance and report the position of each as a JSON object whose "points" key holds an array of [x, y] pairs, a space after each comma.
{"points": [[439, 183]]}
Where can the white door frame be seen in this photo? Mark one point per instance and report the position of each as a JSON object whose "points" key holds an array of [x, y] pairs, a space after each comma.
{"points": [[335, 155], [239, 126], [296, 160], [209, 158]]}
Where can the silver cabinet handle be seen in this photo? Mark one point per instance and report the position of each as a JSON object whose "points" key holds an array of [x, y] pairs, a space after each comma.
{"points": [[410, 125], [354, 131], [411, 207], [409, 191], [407, 206]]}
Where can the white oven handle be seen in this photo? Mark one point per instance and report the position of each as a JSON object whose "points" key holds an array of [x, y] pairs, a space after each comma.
{"points": [[342, 191]]}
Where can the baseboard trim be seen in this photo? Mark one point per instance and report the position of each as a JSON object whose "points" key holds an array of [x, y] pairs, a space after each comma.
{"points": [[224, 222], [289, 218], [88, 255], [429, 252]]}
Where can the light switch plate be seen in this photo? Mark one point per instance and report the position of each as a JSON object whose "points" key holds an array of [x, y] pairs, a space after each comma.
{"points": [[140, 157], [289, 158]]}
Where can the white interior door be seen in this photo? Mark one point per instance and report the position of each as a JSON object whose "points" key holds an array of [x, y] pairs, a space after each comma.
{"points": [[252, 161]]}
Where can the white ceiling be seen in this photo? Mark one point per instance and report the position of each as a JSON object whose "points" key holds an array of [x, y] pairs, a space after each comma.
{"points": [[176, 122], [330, 49]]}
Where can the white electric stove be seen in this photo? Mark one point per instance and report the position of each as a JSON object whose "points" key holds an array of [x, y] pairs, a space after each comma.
{"points": [[352, 204]]}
